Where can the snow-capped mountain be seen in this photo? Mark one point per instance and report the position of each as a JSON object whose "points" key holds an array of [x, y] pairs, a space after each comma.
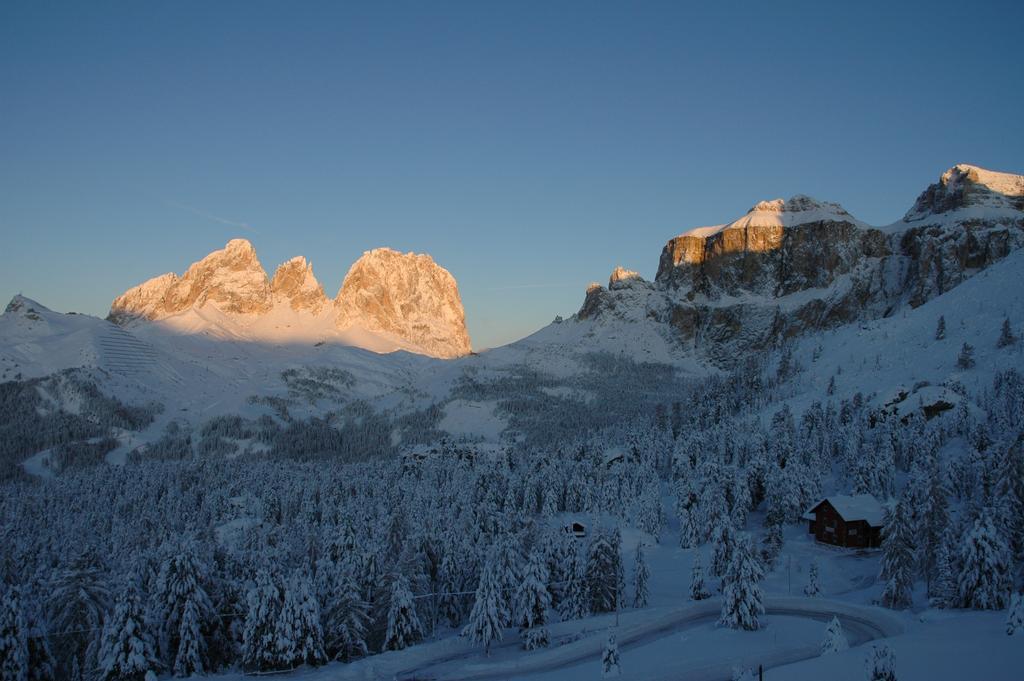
{"points": [[790, 267], [389, 301]]}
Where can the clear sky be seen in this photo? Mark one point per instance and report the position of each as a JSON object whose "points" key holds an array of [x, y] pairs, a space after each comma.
{"points": [[528, 146]]}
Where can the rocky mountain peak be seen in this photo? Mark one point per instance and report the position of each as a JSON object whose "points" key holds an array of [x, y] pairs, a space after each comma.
{"points": [[964, 186], [407, 295], [295, 284]]}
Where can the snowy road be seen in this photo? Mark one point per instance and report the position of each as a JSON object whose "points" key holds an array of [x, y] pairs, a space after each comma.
{"points": [[861, 624]]}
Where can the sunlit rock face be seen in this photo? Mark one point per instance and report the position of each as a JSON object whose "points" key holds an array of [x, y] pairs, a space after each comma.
{"points": [[232, 279], [403, 301], [408, 295], [295, 285], [788, 267]]}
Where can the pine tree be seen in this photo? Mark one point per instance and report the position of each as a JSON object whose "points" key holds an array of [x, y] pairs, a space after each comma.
{"points": [[264, 602], [404, 626], [489, 615], [812, 589], [78, 603], [575, 603], [881, 664], [897, 568], [641, 575], [610, 657], [725, 541], [835, 640], [604, 573], [41, 663], [191, 656], [532, 601], [966, 358], [1015, 615], [943, 588], [741, 598], [14, 663], [984, 579], [182, 578], [1006, 337], [298, 636], [771, 546], [345, 621], [127, 651], [698, 590], [940, 329]]}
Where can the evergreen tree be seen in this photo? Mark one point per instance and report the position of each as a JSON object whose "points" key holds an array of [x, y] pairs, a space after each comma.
{"points": [[404, 626], [965, 360], [698, 591], [345, 621], [191, 656], [940, 328], [641, 575], [1006, 337], [604, 573], [881, 664], [575, 602], [41, 663], [77, 607], [984, 579], [264, 602], [182, 578], [835, 640], [610, 657], [489, 615], [943, 588], [127, 651], [741, 598], [771, 546], [812, 589], [298, 636], [14, 662], [1015, 615], [897, 568], [532, 601]]}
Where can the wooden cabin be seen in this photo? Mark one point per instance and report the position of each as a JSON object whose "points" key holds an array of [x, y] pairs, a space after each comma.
{"points": [[844, 520]]}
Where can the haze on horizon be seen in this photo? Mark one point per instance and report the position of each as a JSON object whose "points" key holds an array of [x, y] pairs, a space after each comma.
{"points": [[529, 149]]}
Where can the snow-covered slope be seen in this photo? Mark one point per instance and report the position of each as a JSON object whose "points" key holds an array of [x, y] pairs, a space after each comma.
{"points": [[389, 301]]}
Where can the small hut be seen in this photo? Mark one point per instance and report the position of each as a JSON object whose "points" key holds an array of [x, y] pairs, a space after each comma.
{"points": [[844, 520]]}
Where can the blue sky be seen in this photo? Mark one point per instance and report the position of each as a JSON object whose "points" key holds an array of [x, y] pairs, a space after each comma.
{"points": [[528, 146]]}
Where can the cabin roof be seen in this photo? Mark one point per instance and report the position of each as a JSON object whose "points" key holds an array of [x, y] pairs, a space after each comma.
{"points": [[853, 507]]}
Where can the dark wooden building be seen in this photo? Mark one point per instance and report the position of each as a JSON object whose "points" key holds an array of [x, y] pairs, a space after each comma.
{"points": [[851, 521]]}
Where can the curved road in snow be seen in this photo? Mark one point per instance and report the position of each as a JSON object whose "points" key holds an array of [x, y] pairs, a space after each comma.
{"points": [[860, 623]]}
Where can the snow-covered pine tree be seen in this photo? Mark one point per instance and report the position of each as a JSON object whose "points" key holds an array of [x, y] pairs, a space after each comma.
{"points": [[404, 626], [41, 664], [182, 577], [835, 640], [641, 575], [14, 663], [940, 328], [1015, 615], [771, 546], [897, 569], [965, 360], [610, 665], [575, 603], [813, 588], [532, 601], [881, 664], [603, 573], [264, 602], [191, 656], [943, 587], [984, 579], [741, 598], [298, 636], [1006, 336], [345, 621], [698, 590], [127, 651], [489, 615], [724, 538], [78, 603]]}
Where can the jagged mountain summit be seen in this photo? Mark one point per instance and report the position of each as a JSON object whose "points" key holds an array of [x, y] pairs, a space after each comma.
{"points": [[790, 267], [388, 301]]}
